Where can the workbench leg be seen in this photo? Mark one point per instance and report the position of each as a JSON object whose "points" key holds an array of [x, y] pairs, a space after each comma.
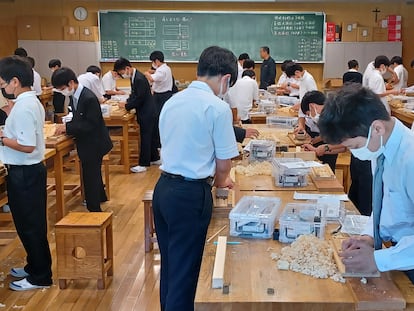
{"points": [[125, 148], [60, 191]]}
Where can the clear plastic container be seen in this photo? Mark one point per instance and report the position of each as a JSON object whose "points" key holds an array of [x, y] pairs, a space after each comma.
{"points": [[254, 217], [299, 219], [290, 177], [288, 100], [267, 106], [283, 122], [262, 150]]}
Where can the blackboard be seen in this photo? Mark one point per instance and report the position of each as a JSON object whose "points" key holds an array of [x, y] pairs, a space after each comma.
{"points": [[183, 35]]}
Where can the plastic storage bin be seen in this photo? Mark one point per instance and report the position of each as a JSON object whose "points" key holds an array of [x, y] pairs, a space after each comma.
{"points": [[262, 150], [267, 106], [284, 122], [301, 218], [254, 217], [290, 177]]}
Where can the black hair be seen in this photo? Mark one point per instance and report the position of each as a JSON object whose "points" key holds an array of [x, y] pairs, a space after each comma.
{"points": [[381, 60], [62, 77], [412, 63], [31, 61], [121, 63], [157, 55], [94, 69], [16, 67], [244, 56], [20, 52], [248, 63], [266, 49], [215, 61], [291, 68], [285, 63], [349, 113], [249, 73], [352, 64], [312, 97], [55, 62], [397, 60]]}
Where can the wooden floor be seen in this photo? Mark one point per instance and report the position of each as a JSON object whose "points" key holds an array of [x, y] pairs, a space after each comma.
{"points": [[135, 284]]}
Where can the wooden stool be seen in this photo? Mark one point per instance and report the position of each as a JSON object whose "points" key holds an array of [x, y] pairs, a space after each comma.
{"points": [[149, 229], [84, 247]]}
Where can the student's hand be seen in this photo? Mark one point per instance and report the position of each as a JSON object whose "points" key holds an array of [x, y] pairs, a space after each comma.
{"points": [[121, 104], [296, 106], [316, 140], [7, 109], [352, 243], [118, 92], [252, 133], [60, 129], [298, 129], [228, 183], [308, 147], [359, 257]]}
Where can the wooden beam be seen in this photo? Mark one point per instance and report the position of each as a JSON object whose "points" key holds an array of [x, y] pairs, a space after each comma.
{"points": [[218, 270]]}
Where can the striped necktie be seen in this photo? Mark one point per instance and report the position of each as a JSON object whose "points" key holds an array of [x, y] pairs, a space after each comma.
{"points": [[378, 194]]}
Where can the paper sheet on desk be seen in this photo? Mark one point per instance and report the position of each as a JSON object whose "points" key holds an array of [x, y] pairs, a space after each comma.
{"points": [[316, 196], [305, 164]]}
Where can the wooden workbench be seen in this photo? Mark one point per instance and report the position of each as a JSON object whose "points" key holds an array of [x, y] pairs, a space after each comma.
{"points": [[250, 271], [404, 115], [120, 117]]}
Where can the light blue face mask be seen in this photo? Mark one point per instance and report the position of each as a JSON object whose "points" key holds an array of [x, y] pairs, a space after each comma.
{"points": [[364, 154]]}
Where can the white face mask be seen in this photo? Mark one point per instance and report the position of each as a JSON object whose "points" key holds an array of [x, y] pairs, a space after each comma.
{"points": [[67, 92], [364, 154], [221, 94], [383, 71], [154, 66], [126, 75], [315, 118]]}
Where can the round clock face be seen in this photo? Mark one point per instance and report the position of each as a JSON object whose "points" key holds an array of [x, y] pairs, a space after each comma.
{"points": [[80, 13]]}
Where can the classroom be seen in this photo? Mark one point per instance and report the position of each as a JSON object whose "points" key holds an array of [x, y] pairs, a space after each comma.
{"points": [[206, 155]]}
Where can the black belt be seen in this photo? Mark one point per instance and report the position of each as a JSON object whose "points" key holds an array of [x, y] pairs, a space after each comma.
{"points": [[209, 180], [11, 166], [162, 93]]}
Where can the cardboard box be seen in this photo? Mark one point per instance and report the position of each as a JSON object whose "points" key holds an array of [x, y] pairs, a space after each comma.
{"points": [[89, 33], [349, 31], [333, 83], [364, 34], [51, 27], [330, 32], [379, 34], [71, 33], [28, 28]]}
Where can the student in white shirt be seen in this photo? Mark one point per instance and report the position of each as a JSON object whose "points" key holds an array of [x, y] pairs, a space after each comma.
{"points": [[356, 118], [400, 72], [306, 84], [240, 62], [109, 84], [162, 87], [91, 80], [243, 95], [37, 80], [376, 81], [288, 85]]}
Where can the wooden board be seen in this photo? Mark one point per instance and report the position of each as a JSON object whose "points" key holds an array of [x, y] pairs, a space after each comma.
{"points": [[328, 185], [267, 183], [297, 142], [304, 155], [219, 262], [222, 207], [322, 173]]}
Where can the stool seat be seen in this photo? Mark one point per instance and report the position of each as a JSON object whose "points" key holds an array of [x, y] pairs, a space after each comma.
{"points": [[84, 247]]}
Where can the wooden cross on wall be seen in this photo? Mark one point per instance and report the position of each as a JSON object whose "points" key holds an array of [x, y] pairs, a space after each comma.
{"points": [[376, 11]]}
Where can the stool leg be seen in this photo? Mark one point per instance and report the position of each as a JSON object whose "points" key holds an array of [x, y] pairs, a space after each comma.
{"points": [[147, 226], [101, 283], [110, 249], [62, 283], [106, 171]]}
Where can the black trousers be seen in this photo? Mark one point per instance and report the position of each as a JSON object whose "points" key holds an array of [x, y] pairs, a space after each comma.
{"points": [[58, 102], [93, 184], [182, 213], [360, 192], [26, 190], [159, 99], [148, 151]]}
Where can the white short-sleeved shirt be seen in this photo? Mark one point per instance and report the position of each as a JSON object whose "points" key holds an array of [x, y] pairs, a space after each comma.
{"points": [[92, 82], [377, 85], [239, 70], [241, 96], [285, 79], [37, 83], [108, 82], [402, 75], [365, 77], [25, 123], [306, 83], [195, 129], [163, 80]]}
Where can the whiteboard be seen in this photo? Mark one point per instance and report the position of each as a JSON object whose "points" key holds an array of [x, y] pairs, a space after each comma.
{"points": [[77, 55], [339, 53]]}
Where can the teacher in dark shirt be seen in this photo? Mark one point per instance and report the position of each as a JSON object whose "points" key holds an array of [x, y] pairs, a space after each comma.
{"points": [[268, 69]]}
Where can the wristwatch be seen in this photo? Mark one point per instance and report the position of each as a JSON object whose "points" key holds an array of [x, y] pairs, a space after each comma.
{"points": [[327, 148], [288, 84], [1, 141]]}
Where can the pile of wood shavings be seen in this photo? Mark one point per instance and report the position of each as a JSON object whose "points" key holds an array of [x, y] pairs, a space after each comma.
{"points": [[311, 256], [255, 168]]}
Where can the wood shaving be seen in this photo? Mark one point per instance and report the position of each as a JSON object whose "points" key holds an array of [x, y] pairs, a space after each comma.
{"points": [[311, 256], [255, 168], [2, 305]]}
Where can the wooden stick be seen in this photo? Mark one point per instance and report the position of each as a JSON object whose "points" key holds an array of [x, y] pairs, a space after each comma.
{"points": [[216, 234], [219, 261]]}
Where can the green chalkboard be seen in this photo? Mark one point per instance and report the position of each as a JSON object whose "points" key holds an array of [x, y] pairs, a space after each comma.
{"points": [[183, 35]]}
